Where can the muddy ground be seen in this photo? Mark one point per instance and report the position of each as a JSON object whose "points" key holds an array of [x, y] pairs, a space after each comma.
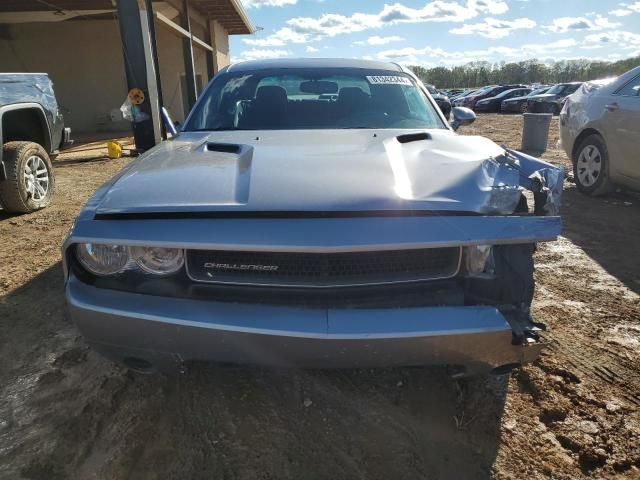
{"points": [[67, 413]]}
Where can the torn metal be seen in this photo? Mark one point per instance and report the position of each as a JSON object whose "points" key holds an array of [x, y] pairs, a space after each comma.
{"points": [[541, 178]]}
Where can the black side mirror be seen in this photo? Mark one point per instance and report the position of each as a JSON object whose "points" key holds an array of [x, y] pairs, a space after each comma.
{"points": [[462, 116]]}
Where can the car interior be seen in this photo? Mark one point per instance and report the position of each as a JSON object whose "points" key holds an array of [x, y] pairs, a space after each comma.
{"points": [[273, 108]]}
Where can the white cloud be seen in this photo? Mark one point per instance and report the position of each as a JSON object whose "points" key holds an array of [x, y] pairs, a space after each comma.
{"points": [[268, 3], [311, 49], [620, 39], [620, 12], [259, 54], [282, 37], [633, 6], [494, 28], [377, 40], [429, 55], [306, 29], [570, 24]]}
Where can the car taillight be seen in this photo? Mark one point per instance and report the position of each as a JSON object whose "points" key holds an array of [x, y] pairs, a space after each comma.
{"points": [[565, 107]]}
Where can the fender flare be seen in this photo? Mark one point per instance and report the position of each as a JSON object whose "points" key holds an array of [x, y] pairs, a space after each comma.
{"points": [[43, 120]]}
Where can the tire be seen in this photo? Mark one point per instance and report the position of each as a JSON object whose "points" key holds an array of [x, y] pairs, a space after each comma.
{"points": [[22, 191], [591, 166], [524, 108]]}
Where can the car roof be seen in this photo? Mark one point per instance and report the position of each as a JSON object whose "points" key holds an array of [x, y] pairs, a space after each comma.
{"points": [[254, 65]]}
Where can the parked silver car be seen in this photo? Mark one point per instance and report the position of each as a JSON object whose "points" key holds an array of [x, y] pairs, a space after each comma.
{"points": [[600, 131], [318, 213]]}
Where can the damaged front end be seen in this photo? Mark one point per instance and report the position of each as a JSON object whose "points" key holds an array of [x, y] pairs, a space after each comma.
{"points": [[507, 282], [416, 253]]}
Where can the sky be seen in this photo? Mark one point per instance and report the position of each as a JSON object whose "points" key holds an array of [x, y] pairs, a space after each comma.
{"points": [[441, 32]]}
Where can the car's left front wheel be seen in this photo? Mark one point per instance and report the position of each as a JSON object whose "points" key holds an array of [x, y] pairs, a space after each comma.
{"points": [[29, 179]]}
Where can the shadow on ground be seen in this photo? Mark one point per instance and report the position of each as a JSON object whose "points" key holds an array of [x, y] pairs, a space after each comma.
{"points": [[608, 230], [85, 159], [68, 413]]}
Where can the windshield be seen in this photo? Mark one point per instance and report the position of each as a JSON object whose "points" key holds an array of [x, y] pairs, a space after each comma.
{"points": [[313, 98], [484, 90], [539, 91], [556, 89], [508, 92]]}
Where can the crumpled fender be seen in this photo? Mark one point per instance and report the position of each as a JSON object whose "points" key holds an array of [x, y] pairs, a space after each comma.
{"points": [[542, 178]]}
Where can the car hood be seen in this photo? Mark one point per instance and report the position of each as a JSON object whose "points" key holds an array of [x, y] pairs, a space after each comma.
{"points": [[310, 170]]}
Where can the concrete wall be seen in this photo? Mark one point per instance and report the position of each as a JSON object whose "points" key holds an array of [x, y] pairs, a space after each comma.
{"points": [[220, 42], [84, 60], [170, 59]]}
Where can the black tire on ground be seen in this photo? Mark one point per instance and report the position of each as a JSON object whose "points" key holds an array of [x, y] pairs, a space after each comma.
{"points": [[14, 194], [595, 145]]}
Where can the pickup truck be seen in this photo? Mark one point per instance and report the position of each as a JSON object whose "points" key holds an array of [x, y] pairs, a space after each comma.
{"points": [[31, 134]]}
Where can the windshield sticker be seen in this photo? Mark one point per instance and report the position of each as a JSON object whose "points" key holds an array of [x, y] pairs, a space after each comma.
{"points": [[388, 80]]}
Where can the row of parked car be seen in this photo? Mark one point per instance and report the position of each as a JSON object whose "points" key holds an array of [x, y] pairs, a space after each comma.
{"points": [[599, 123], [507, 98]]}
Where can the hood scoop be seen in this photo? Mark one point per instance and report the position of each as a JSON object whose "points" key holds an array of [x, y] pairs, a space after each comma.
{"points": [[222, 147], [413, 137]]}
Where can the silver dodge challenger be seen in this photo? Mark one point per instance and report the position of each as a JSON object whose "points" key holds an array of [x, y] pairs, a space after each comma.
{"points": [[315, 213]]}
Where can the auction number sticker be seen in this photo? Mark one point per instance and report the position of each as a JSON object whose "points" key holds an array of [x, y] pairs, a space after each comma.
{"points": [[388, 80]]}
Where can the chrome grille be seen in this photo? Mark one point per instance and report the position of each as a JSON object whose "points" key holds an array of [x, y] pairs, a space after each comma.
{"points": [[296, 269]]}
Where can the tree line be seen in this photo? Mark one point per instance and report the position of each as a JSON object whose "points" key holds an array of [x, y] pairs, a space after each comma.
{"points": [[478, 74]]}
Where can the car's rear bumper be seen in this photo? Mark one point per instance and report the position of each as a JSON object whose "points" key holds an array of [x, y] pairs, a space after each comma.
{"points": [[161, 329]]}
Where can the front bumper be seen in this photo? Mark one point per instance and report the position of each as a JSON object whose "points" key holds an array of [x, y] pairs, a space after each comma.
{"points": [[160, 330]]}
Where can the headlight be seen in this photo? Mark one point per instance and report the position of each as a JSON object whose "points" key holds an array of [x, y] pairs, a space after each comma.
{"points": [[102, 259], [503, 200], [158, 260], [478, 260]]}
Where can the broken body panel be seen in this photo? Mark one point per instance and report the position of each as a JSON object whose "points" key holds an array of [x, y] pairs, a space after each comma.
{"points": [[366, 192]]}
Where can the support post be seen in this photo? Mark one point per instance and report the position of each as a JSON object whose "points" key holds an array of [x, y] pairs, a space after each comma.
{"points": [[211, 66], [137, 49], [189, 68], [156, 63]]}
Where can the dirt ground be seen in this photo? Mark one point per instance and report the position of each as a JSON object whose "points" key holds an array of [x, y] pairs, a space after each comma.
{"points": [[67, 413]]}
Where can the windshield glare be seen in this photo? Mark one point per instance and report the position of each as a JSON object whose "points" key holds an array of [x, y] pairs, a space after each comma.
{"points": [[308, 98], [539, 91]]}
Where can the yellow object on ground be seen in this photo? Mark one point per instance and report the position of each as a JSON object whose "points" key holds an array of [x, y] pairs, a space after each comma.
{"points": [[115, 149]]}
